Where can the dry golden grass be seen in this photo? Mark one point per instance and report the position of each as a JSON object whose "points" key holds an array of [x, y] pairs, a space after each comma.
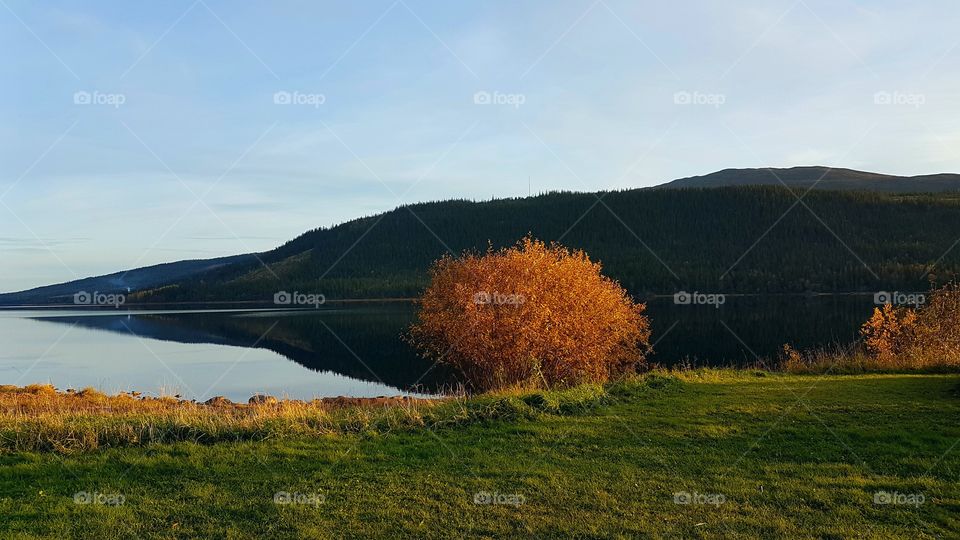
{"points": [[40, 399], [40, 418], [854, 359]]}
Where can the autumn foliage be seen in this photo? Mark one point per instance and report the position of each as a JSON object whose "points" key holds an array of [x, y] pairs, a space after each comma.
{"points": [[928, 336], [529, 315]]}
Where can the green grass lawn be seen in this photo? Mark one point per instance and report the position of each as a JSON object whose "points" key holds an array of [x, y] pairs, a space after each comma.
{"points": [[771, 456]]}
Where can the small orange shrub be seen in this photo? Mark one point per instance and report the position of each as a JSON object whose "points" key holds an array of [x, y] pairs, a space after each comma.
{"points": [[928, 336], [889, 333], [531, 314]]}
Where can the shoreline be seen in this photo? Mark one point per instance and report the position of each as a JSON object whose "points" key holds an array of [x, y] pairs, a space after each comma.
{"points": [[39, 418], [260, 305]]}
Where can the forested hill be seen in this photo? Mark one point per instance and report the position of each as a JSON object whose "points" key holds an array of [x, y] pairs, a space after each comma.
{"points": [[737, 239], [823, 178]]}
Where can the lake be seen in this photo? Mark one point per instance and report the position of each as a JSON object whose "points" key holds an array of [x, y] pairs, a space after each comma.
{"points": [[357, 350]]}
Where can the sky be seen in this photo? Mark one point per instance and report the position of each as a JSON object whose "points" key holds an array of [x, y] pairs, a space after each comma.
{"points": [[136, 133]]}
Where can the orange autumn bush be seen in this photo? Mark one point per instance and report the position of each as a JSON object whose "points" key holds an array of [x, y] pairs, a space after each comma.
{"points": [[928, 336], [529, 315], [889, 333]]}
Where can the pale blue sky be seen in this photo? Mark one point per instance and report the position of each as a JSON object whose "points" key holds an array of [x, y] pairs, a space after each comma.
{"points": [[588, 93]]}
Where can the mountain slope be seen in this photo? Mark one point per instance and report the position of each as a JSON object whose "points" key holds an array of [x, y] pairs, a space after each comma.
{"points": [[739, 239], [824, 178], [136, 279]]}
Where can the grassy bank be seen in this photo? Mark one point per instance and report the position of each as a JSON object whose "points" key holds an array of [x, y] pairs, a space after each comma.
{"points": [[40, 418], [754, 455]]}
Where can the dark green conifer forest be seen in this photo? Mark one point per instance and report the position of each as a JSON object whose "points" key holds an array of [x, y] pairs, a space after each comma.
{"points": [[751, 239]]}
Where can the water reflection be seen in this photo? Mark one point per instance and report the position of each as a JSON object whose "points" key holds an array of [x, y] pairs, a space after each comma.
{"points": [[360, 343], [747, 327], [358, 350]]}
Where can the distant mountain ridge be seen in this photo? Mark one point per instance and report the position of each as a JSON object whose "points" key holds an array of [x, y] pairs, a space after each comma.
{"points": [[136, 279], [826, 178], [746, 234]]}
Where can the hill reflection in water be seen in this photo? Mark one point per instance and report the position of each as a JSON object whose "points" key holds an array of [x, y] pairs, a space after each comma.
{"points": [[361, 343]]}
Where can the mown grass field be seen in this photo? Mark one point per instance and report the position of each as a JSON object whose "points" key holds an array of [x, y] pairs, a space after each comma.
{"points": [[771, 456]]}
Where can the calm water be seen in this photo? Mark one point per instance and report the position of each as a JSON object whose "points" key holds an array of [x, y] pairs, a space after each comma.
{"points": [[353, 351]]}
